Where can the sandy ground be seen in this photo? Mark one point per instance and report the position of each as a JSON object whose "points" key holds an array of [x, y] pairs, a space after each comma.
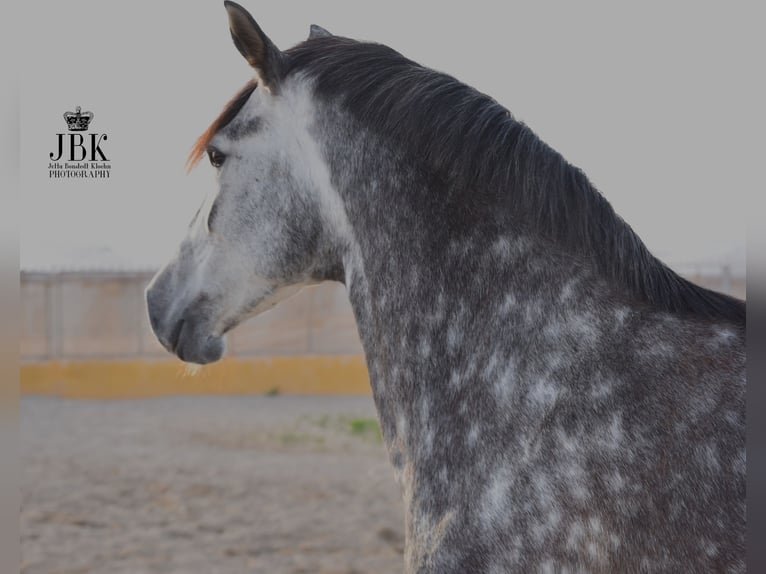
{"points": [[207, 485]]}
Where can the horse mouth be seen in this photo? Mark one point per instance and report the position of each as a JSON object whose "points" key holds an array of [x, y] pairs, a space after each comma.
{"points": [[190, 343], [202, 352], [175, 336]]}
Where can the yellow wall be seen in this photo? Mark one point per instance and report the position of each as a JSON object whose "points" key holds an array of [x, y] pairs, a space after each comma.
{"points": [[298, 375]]}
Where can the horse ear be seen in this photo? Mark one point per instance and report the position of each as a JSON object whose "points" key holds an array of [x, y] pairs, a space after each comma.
{"points": [[254, 45], [317, 32]]}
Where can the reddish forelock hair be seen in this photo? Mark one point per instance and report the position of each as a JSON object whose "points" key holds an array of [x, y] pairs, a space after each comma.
{"points": [[229, 111]]}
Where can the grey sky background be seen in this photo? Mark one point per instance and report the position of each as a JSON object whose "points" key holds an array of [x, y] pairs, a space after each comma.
{"points": [[653, 102]]}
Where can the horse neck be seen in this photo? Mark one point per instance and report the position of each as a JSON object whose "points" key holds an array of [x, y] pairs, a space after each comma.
{"points": [[449, 299], [420, 299]]}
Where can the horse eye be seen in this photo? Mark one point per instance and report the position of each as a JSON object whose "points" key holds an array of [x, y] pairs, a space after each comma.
{"points": [[216, 157]]}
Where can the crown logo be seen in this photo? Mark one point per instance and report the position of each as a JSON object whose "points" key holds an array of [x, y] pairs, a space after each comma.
{"points": [[78, 121]]}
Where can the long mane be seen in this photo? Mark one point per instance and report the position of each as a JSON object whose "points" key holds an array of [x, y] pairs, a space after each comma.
{"points": [[474, 144]]}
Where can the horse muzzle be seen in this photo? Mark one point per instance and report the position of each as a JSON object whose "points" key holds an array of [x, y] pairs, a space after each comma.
{"points": [[185, 332]]}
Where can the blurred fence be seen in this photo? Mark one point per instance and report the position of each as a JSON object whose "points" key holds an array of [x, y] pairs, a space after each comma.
{"points": [[715, 276], [97, 315], [102, 315]]}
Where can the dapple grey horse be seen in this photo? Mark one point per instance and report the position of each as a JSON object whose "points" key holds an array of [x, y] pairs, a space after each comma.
{"points": [[552, 397]]}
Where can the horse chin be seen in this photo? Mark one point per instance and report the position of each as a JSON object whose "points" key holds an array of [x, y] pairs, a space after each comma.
{"points": [[201, 350]]}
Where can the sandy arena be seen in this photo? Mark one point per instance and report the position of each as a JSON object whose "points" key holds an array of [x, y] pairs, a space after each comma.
{"points": [[213, 485]]}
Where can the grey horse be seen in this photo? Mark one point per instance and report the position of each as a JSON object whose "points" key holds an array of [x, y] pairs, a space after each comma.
{"points": [[552, 397]]}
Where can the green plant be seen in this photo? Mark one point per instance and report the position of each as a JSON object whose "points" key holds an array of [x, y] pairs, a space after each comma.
{"points": [[365, 428]]}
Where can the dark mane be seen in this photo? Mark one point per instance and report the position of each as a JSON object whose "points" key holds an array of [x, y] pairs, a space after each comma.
{"points": [[472, 142]]}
